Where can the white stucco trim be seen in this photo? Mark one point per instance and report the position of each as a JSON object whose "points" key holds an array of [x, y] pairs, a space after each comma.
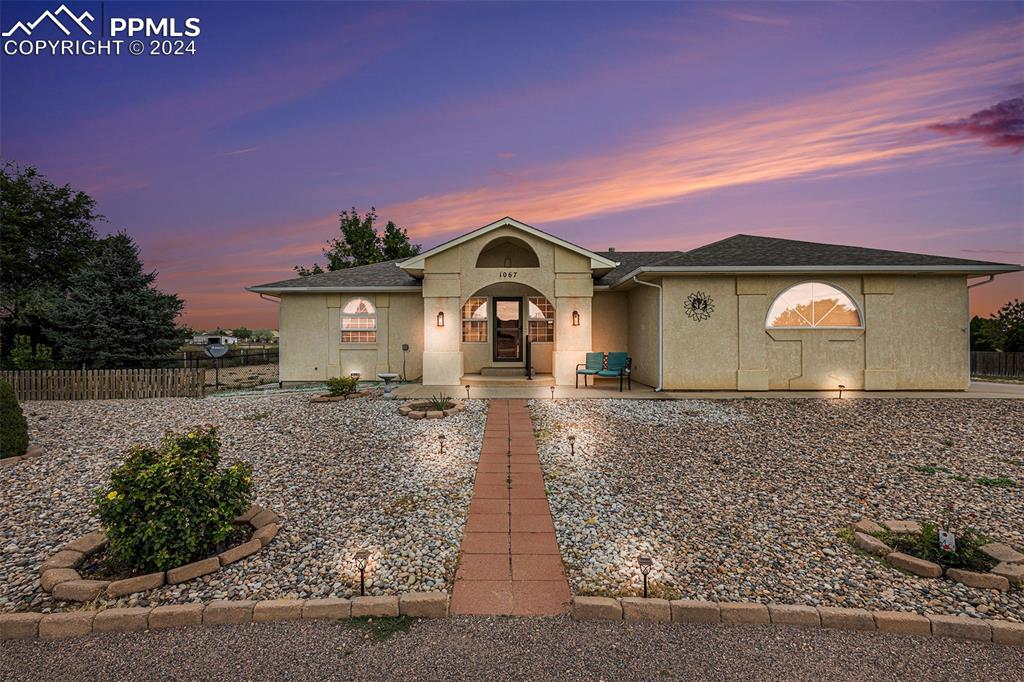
{"points": [[596, 261]]}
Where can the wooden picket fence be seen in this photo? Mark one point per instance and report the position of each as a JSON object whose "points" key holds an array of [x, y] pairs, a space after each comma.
{"points": [[107, 384], [988, 363]]}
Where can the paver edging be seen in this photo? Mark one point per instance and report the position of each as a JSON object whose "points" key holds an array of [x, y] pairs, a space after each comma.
{"points": [[33, 452], [865, 534], [829, 617], [60, 568], [64, 624]]}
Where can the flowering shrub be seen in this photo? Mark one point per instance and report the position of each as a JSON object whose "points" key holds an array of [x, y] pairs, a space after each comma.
{"points": [[172, 505]]}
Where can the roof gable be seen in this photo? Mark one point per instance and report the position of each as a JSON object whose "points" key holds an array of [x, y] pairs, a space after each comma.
{"points": [[597, 261]]}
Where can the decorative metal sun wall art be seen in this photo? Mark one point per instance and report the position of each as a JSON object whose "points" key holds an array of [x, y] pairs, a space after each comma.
{"points": [[699, 306]]}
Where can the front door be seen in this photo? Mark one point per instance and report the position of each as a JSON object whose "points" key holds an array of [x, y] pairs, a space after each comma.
{"points": [[508, 329]]}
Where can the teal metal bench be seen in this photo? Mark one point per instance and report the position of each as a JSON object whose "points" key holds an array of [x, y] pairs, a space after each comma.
{"points": [[618, 365], [593, 365]]}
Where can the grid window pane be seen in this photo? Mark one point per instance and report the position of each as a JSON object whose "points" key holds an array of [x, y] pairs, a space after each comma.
{"points": [[358, 337], [474, 320], [542, 331], [541, 308]]}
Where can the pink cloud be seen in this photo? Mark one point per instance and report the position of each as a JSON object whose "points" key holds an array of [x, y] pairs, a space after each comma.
{"points": [[1000, 125]]}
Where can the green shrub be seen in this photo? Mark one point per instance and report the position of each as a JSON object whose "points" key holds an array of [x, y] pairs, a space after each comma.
{"points": [[24, 357], [13, 427], [342, 385], [439, 403], [926, 546], [170, 506], [997, 482]]}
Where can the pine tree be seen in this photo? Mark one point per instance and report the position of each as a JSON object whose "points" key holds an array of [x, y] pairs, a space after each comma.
{"points": [[113, 315]]}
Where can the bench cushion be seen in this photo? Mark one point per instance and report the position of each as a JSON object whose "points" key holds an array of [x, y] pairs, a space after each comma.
{"points": [[587, 371]]}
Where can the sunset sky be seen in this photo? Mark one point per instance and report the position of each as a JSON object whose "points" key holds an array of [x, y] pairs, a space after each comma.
{"points": [[638, 126]]}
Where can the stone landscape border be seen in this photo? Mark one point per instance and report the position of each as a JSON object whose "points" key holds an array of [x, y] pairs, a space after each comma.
{"points": [[752, 613], [32, 625], [328, 398], [1009, 570], [32, 452], [59, 577], [419, 409]]}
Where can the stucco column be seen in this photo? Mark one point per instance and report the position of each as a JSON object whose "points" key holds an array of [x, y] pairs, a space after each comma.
{"points": [[879, 337], [442, 357], [571, 343], [752, 306]]}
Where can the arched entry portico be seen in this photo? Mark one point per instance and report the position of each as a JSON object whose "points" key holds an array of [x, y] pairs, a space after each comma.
{"points": [[504, 326]]}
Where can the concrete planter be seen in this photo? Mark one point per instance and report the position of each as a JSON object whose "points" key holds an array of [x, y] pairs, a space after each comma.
{"points": [[60, 577]]}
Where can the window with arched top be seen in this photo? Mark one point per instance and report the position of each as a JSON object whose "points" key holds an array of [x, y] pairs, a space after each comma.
{"points": [[474, 320], [358, 322], [814, 304]]}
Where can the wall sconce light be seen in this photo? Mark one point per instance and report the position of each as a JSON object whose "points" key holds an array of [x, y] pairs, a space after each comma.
{"points": [[362, 559], [440, 440], [645, 567], [575, 318], [841, 387], [440, 319], [572, 444], [467, 391]]}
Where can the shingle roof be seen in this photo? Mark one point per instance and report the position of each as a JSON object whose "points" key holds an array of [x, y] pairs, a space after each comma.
{"points": [[739, 251], [628, 261], [744, 250], [384, 274]]}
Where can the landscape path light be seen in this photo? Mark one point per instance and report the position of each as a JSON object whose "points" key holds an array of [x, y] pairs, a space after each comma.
{"points": [[841, 387], [362, 559], [552, 392], [572, 444], [645, 567], [355, 375], [440, 440], [467, 391]]}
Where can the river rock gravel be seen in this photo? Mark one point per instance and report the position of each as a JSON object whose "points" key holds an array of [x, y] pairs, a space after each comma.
{"points": [[343, 475], [745, 500]]}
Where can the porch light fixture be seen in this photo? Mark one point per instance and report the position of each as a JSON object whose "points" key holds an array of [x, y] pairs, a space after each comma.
{"points": [[440, 440], [572, 444], [440, 319], [575, 318], [467, 391], [841, 387], [362, 559], [645, 567]]}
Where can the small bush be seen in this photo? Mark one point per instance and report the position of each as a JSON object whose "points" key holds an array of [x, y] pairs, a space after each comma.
{"points": [[342, 385], [926, 546], [170, 506], [13, 426], [997, 482]]}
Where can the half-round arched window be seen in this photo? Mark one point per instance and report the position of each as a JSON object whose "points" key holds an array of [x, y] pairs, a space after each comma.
{"points": [[358, 322], [814, 304]]}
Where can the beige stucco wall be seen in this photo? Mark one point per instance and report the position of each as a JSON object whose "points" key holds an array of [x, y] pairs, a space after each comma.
{"points": [[311, 348], [642, 334], [611, 321], [913, 338]]}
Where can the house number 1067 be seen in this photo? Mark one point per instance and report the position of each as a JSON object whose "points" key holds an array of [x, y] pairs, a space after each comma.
{"points": [[508, 274]]}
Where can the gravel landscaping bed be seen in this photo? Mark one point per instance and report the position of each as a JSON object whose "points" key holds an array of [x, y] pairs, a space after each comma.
{"points": [[748, 499], [343, 476]]}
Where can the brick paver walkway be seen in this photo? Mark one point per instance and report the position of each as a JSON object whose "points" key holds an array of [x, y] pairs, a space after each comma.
{"points": [[510, 562]]}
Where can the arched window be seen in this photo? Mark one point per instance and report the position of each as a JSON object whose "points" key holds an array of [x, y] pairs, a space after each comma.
{"points": [[813, 304], [474, 319], [358, 322]]}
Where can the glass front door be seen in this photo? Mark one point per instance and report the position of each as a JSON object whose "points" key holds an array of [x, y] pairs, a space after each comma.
{"points": [[508, 329]]}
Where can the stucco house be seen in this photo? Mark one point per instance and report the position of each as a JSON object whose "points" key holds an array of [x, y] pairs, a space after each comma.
{"points": [[744, 313]]}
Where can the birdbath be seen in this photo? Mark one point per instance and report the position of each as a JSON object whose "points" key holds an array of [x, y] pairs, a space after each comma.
{"points": [[388, 377]]}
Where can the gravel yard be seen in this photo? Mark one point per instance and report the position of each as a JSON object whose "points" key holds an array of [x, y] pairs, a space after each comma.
{"points": [[745, 499], [344, 475]]}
